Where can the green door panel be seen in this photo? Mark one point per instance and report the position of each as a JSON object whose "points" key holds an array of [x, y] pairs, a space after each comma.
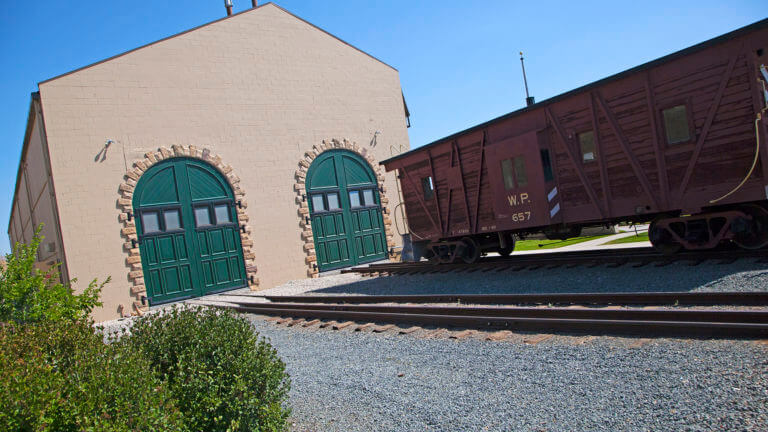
{"points": [[323, 173], [182, 256], [160, 187], [369, 234], [221, 258], [346, 231], [205, 184], [357, 172]]}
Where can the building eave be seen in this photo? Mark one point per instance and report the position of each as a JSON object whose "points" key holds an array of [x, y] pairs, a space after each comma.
{"points": [[34, 98]]}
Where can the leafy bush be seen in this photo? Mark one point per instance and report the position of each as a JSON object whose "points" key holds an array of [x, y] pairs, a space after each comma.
{"points": [[62, 377], [28, 294], [222, 375], [184, 370]]}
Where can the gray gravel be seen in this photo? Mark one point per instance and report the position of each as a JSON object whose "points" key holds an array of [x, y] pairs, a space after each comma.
{"points": [[345, 381], [742, 275]]}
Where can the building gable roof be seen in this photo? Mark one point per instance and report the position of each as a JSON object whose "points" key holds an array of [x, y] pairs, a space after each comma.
{"points": [[251, 10]]}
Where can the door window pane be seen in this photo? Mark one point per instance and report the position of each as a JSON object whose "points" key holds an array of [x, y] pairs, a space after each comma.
{"points": [[172, 219], [222, 213], [428, 187], [333, 201], [150, 222], [317, 203], [676, 124], [202, 216], [506, 173], [587, 144], [368, 197], [354, 198], [520, 175]]}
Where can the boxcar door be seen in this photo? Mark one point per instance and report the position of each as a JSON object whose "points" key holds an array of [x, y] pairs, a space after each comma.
{"points": [[517, 182]]}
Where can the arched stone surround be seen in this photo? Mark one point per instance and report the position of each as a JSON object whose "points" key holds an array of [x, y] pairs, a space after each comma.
{"points": [[126, 217], [303, 202]]}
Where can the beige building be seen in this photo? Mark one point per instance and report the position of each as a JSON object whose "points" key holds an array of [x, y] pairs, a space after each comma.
{"points": [[243, 152]]}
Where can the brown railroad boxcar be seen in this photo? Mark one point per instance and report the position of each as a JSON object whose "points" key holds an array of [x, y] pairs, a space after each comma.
{"points": [[676, 141]]}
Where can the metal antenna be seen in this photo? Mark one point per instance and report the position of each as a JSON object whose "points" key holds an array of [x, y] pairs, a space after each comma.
{"points": [[529, 100]]}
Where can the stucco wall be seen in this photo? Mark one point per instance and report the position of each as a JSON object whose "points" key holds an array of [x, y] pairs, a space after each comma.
{"points": [[259, 89]]}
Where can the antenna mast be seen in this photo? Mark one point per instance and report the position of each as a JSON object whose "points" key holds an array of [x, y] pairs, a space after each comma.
{"points": [[529, 100]]}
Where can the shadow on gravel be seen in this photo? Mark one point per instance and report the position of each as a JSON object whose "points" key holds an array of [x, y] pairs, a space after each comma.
{"points": [[742, 275]]}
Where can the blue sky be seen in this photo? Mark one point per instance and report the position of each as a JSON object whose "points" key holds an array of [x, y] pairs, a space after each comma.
{"points": [[458, 60]]}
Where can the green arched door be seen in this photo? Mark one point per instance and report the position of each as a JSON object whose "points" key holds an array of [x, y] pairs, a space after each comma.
{"points": [[188, 233], [345, 210]]}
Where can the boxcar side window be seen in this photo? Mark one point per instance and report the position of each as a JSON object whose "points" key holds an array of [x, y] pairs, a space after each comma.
{"points": [[429, 187], [676, 124], [520, 174], [587, 145], [546, 164], [507, 174]]}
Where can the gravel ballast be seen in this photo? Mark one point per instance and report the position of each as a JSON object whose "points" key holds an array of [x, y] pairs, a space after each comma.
{"points": [[361, 381], [742, 275], [352, 381]]}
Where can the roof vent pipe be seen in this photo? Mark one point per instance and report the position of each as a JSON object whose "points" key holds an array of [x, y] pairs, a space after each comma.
{"points": [[529, 100], [228, 5]]}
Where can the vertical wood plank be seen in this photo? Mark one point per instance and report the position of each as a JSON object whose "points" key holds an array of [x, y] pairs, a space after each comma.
{"points": [[661, 164], [604, 180]]}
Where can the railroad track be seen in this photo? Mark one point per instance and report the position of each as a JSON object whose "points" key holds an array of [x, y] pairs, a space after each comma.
{"points": [[637, 257], [646, 322]]}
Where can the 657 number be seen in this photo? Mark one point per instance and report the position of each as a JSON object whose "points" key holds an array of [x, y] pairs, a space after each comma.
{"points": [[521, 217]]}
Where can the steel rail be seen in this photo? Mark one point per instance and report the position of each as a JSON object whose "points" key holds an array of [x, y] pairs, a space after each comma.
{"points": [[690, 315], [613, 257], [630, 298], [641, 327]]}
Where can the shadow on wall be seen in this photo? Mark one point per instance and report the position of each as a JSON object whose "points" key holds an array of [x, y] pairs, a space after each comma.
{"points": [[101, 156], [743, 275]]}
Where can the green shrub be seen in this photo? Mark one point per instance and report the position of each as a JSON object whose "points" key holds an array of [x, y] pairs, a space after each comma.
{"points": [[222, 375], [62, 377], [28, 294]]}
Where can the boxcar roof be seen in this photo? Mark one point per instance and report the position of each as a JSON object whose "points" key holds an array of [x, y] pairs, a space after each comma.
{"points": [[661, 60]]}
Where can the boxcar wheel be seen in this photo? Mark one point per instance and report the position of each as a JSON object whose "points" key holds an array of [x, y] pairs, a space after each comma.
{"points": [[510, 247], [662, 240], [756, 234], [471, 251]]}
